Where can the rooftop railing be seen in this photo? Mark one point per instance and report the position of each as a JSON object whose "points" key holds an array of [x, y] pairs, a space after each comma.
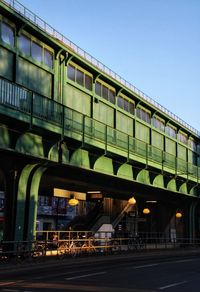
{"points": [[37, 21]]}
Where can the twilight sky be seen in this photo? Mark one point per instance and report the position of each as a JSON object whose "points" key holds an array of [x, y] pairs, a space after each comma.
{"points": [[153, 44]]}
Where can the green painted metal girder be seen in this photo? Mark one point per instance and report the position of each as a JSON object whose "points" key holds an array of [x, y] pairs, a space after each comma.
{"points": [[104, 165], [172, 185], [143, 176], [125, 171], [4, 136], [183, 188], [31, 144], [32, 215], [54, 153], [159, 181], [21, 200], [80, 158]]}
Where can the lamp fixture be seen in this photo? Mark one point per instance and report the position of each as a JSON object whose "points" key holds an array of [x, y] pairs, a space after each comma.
{"points": [[146, 211], [179, 214], [132, 201], [73, 201]]}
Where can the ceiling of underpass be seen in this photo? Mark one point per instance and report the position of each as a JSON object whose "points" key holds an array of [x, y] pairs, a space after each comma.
{"points": [[81, 180]]}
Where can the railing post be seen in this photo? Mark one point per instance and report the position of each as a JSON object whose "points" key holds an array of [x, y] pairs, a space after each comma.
{"points": [[83, 131], [128, 148], [63, 122], [106, 139], [31, 111]]}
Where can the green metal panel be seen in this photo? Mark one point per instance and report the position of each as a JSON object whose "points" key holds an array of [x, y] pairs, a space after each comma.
{"points": [[157, 140], [170, 146], [159, 181], [142, 132], [103, 113], [21, 200], [4, 136], [125, 171], [34, 202], [77, 100], [80, 158], [6, 63], [34, 78], [181, 152], [31, 144], [54, 153], [124, 123], [104, 164], [143, 176], [183, 188], [172, 185]]}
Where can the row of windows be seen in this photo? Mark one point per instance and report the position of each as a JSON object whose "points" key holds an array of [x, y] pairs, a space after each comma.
{"points": [[80, 77], [29, 47], [105, 92]]}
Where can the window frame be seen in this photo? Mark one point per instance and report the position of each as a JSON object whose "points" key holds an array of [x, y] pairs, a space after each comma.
{"points": [[84, 72]]}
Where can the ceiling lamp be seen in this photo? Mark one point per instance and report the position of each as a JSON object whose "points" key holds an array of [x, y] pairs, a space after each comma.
{"points": [[179, 214], [146, 211], [132, 201], [73, 201]]}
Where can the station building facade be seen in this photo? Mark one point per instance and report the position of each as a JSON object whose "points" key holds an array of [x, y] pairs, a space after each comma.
{"points": [[71, 127]]}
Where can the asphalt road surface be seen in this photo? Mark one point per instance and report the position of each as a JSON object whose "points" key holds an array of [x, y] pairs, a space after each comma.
{"points": [[106, 274]]}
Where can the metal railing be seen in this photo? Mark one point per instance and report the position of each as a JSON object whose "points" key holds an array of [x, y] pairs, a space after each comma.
{"points": [[77, 243], [37, 21], [89, 130]]}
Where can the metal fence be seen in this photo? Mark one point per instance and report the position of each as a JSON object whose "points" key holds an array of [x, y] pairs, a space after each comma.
{"points": [[78, 243]]}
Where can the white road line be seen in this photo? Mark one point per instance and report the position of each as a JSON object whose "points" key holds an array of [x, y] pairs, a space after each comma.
{"points": [[172, 285], [145, 266], [184, 261], [86, 275]]}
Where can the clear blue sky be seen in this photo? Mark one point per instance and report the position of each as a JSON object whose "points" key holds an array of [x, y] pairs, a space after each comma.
{"points": [[153, 44]]}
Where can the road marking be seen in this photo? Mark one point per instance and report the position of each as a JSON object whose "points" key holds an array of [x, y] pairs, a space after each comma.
{"points": [[146, 266], [172, 285], [84, 276], [184, 261]]}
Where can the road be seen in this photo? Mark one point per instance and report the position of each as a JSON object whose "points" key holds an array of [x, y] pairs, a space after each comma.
{"points": [[111, 274]]}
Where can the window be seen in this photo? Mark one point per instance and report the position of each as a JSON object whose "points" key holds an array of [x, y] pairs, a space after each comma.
{"points": [[105, 91], [7, 34], [36, 52], [77, 75], [144, 115], [158, 123], [192, 144], [25, 45], [88, 82], [71, 72], [98, 88], [48, 58], [80, 77], [171, 131], [126, 104], [182, 137]]}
